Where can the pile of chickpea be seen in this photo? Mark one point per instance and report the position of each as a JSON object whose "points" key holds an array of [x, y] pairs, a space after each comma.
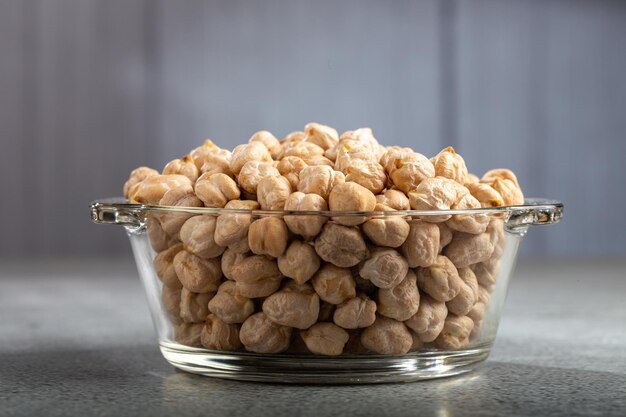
{"points": [[316, 284]]}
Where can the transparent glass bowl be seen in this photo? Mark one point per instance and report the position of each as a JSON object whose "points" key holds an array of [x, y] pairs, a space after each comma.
{"points": [[461, 344]]}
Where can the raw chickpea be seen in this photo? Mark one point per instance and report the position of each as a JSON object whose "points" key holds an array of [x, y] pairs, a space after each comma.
{"points": [[199, 154], [486, 272], [194, 306], [402, 301], [387, 336], [466, 249], [351, 196], [261, 335], [307, 226], [151, 190], [325, 339], [390, 231], [468, 223], [386, 268], [445, 236], [320, 135], [268, 236], [471, 179], [500, 173], [350, 152], [440, 280], [369, 174], [232, 228], [333, 284], [197, 236], [485, 194], [395, 199], [255, 151], [302, 149], [299, 262], [184, 166], [136, 176], [422, 245], [253, 172], [273, 192], [510, 193], [229, 259], [450, 164], [218, 335], [434, 194], [296, 136], [217, 160], [216, 190], [197, 274], [294, 306], [342, 246], [463, 303], [429, 319], [411, 170], [164, 266], [320, 180], [188, 334], [355, 313], [170, 297], [393, 153], [230, 306], [290, 168], [455, 333], [256, 276], [497, 237], [241, 246], [319, 160], [269, 140], [159, 240], [182, 196]]}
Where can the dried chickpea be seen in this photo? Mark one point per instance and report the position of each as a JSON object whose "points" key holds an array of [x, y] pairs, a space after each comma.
{"points": [[320, 180], [466, 249], [253, 172], [387, 336], [296, 136], [219, 335], [369, 174], [455, 333], [390, 231], [350, 152], [500, 173], [320, 135], [395, 199], [199, 154], [232, 228], [152, 188], [325, 339], [307, 226], [229, 259], [254, 151], [266, 138], [261, 335], [510, 193], [212, 158], [299, 262], [485, 194], [294, 306], [268, 236], [450, 164], [386, 268], [342, 246], [319, 160], [182, 196], [137, 175], [471, 179], [216, 190], [164, 266], [468, 223], [486, 272], [290, 168], [440, 280], [194, 306], [463, 303], [159, 240], [197, 274], [495, 230], [303, 149], [355, 313], [184, 166], [230, 306], [429, 319], [445, 236], [170, 297], [197, 235], [402, 301], [422, 244], [188, 334], [273, 192], [393, 153], [351, 196], [434, 194], [256, 276], [410, 170], [333, 284]]}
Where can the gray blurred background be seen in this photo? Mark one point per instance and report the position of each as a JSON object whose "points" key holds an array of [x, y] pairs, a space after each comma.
{"points": [[90, 89]]}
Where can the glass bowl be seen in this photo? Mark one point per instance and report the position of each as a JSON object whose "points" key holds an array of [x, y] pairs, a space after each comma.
{"points": [[445, 337]]}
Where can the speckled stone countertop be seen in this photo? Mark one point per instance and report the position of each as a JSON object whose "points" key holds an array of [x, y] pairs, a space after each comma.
{"points": [[76, 339]]}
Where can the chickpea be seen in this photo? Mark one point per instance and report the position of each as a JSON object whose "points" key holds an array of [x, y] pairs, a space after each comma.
{"points": [[450, 164], [485, 194], [351, 196], [422, 245], [170, 297], [182, 196], [254, 151], [342, 246], [268, 236], [229, 306], [440, 280], [387, 336], [261, 335], [390, 231], [294, 137], [273, 192], [369, 174], [471, 179], [510, 193], [466, 249], [212, 158], [348, 153], [266, 138], [386, 268], [216, 190], [320, 135], [497, 238], [188, 334], [299, 262], [435, 194], [463, 303], [325, 339], [218, 335], [136, 176], [319, 160], [429, 319], [294, 306], [256, 276], [355, 313], [320, 180], [455, 333], [402, 301], [184, 166], [290, 168], [468, 223], [194, 306], [232, 228], [197, 274], [302, 149], [393, 153], [395, 199], [333, 284], [159, 240], [199, 154], [307, 226], [197, 236], [445, 236], [253, 172], [410, 171], [151, 189], [500, 173], [164, 266], [486, 272], [229, 259]]}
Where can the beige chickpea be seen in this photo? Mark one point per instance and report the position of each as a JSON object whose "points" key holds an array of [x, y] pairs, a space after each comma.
{"points": [[410, 170], [253, 172], [497, 237], [342, 246], [511, 194], [299, 262], [319, 160], [218, 335], [434, 194], [290, 168], [256, 276], [485, 194], [137, 175], [183, 166], [500, 173], [464, 301], [468, 223], [450, 164], [351, 196], [182, 196], [229, 259], [241, 246], [232, 228], [445, 236], [261, 335], [387, 336], [325, 339], [164, 266], [477, 314], [302, 149], [198, 154], [266, 138], [369, 174], [320, 180], [307, 226], [402, 301], [326, 311], [393, 153], [422, 244], [230, 306], [440, 280], [466, 249], [429, 319], [455, 333], [216, 190], [333, 284], [294, 306], [159, 240], [188, 334], [355, 313], [395, 199], [197, 235], [320, 135], [390, 231], [254, 151], [170, 297], [273, 192], [194, 306], [214, 161], [268, 236], [486, 272], [471, 179], [386, 268], [151, 189], [197, 274], [350, 152], [296, 136]]}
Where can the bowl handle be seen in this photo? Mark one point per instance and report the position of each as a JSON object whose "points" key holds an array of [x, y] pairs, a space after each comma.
{"points": [[534, 212], [118, 211]]}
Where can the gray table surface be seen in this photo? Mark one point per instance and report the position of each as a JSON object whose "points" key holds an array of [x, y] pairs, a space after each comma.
{"points": [[76, 339]]}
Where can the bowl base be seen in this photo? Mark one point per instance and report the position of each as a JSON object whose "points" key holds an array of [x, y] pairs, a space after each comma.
{"points": [[309, 369]]}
